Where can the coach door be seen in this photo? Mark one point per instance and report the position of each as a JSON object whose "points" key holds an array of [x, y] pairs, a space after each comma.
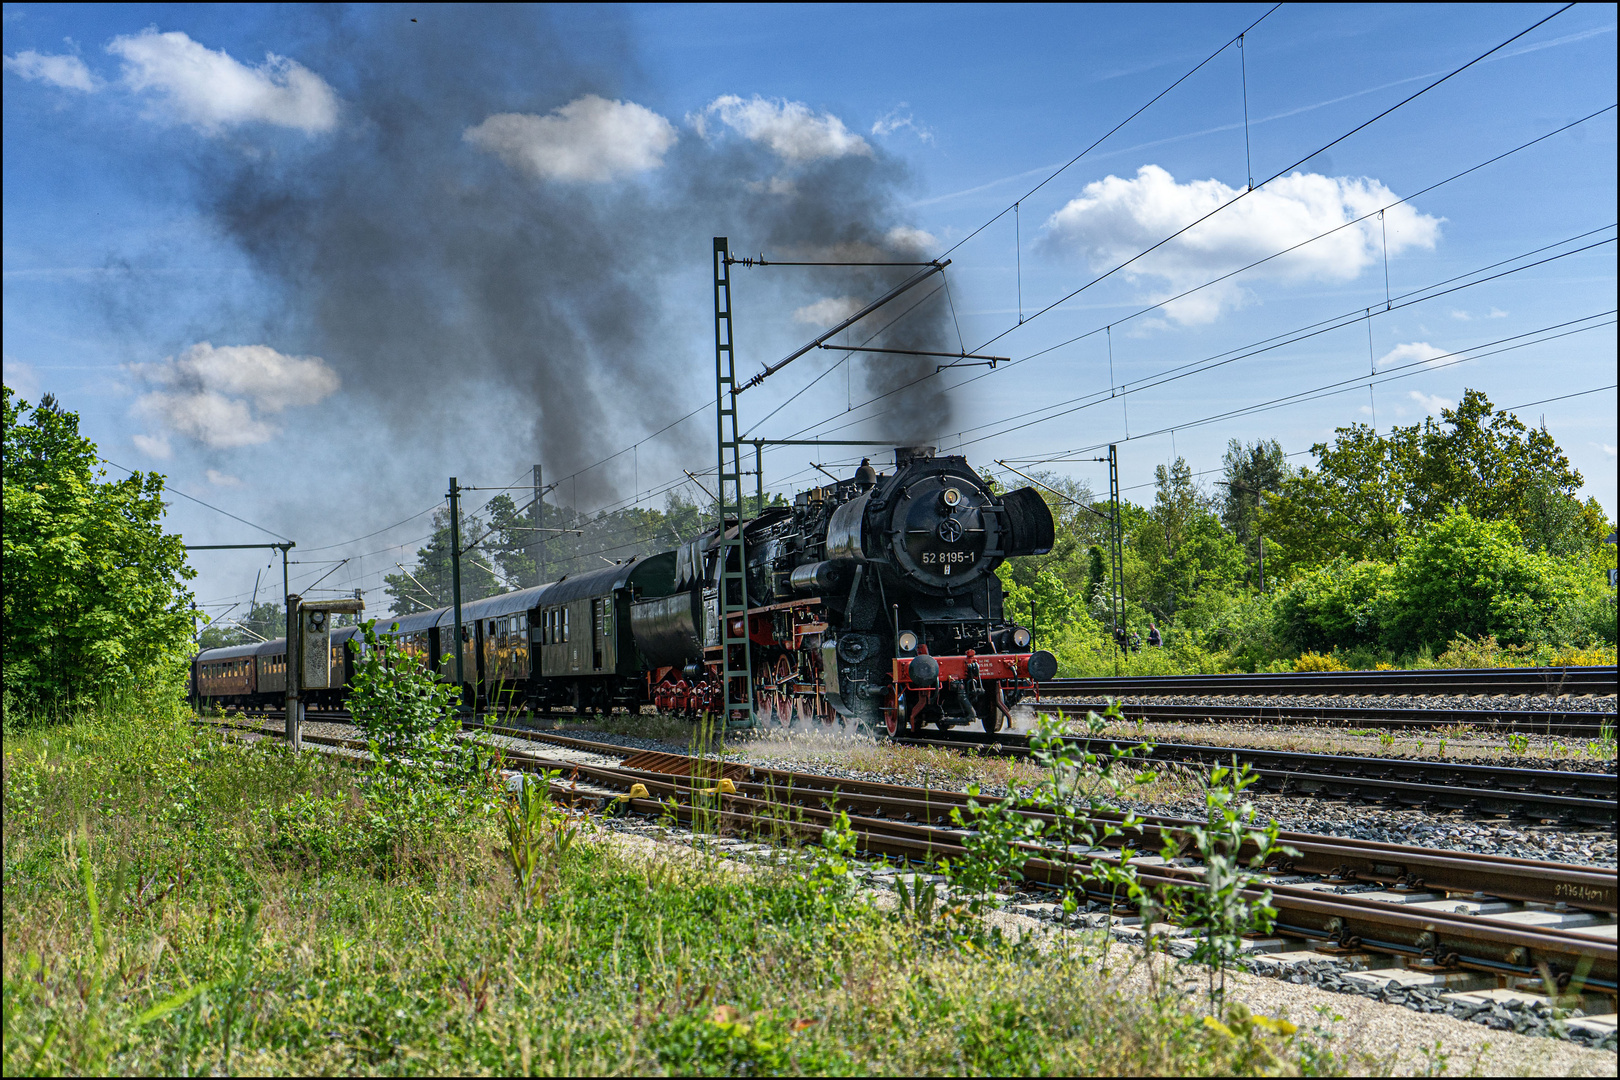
{"points": [[598, 634]]}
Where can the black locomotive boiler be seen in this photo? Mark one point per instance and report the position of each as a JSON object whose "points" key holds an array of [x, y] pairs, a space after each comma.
{"points": [[873, 599]]}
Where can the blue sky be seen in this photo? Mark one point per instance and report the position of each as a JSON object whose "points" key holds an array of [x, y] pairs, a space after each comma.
{"points": [[309, 262]]}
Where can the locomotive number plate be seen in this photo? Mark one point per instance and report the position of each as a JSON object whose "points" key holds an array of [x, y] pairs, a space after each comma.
{"points": [[947, 558]]}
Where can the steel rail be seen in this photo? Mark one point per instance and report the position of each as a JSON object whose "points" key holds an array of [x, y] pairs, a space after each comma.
{"points": [[1400, 865], [1349, 922], [1434, 938], [1486, 721], [1514, 681], [1587, 797]]}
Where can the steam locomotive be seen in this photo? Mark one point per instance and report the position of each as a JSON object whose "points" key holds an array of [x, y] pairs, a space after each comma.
{"points": [[871, 601]]}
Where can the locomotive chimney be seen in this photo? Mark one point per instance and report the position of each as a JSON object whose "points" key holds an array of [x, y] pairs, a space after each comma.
{"points": [[905, 455]]}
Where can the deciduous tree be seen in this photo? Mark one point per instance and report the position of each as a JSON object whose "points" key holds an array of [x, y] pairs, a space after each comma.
{"points": [[95, 600]]}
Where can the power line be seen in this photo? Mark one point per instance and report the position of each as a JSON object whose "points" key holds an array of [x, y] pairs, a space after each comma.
{"points": [[1275, 176], [199, 502], [1064, 167], [1560, 397], [1198, 368], [1355, 316], [1243, 269], [1345, 385]]}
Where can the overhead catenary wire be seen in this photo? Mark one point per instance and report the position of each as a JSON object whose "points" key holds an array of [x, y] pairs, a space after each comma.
{"points": [[1508, 344], [1060, 170], [169, 488], [1237, 39], [1221, 360], [1277, 175], [1160, 304], [1423, 294]]}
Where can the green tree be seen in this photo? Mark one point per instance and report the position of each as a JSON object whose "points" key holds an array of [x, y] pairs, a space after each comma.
{"points": [[94, 594], [1352, 505], [428, 583], [1182, 546], [1368, 490], [1340, 605], [1464, 576], [1249, 470], [265, 621], [1555, 521], [1485, 462]]}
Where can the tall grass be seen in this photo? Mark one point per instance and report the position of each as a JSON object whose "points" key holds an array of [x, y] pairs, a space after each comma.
{"points": [[177, 904]]}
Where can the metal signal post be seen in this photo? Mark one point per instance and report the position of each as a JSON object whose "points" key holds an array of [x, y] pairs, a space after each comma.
{"points": [[736, 663], [1116, 553], [455, 583]]}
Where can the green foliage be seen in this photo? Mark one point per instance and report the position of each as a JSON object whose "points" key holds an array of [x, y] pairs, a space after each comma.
{"points": [[430, 583], [1471, 577], [1369, 490], [1183, 549], [1216, 907], [93, 588], [264, 622], [1251, 472], [218, 955], [503, 550], [404, 712], [1078, 784], [1340, 605], [538, 837]]}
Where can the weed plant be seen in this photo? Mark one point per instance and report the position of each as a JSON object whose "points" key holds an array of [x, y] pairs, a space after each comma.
{"points": [[180, 904]]}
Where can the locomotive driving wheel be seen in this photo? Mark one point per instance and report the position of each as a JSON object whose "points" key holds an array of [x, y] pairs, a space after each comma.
{"points": [[989, 716]]}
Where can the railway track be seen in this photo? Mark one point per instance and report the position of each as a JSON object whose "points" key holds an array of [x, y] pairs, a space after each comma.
{"points": [[1470, 681], [1562, 724], [1584, 797], [1445, 915]]}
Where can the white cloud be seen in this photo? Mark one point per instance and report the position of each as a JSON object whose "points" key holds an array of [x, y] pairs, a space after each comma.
{"points": [[216, 395], [789, 128], [219, 479], [1411, 351], [909, 241], [1432, 403], [1606, 448], [1113, 219], [590, 138], [1496, 313], [154, 445], [891, 122], [1461, 316], [828, 311], [66, 71], [211, 90], [22, 378]]}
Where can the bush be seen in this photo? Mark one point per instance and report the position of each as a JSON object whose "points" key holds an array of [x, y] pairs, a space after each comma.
{"points": [[1341, 605], [403, 710], [1472, 578], [1318, 662]]}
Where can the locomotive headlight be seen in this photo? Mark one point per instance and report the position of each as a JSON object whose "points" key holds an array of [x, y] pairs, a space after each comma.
{"points": [[907, 641], [951, 497], [1021, 637]]}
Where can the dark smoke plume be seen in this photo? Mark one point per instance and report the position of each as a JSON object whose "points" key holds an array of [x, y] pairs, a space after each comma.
{"points": [[447, 285]]}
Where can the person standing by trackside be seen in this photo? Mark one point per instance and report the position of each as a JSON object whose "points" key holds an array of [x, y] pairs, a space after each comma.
{"points": [[1154, 640]]}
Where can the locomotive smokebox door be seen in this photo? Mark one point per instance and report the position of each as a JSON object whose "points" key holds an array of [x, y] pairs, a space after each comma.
{"points": [[315, 637]]}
